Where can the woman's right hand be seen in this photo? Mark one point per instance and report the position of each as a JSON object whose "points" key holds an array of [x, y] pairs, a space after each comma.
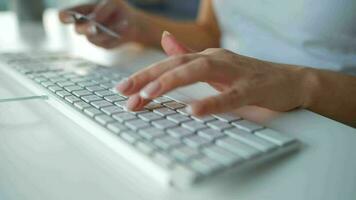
{"points": [[116, 15]]}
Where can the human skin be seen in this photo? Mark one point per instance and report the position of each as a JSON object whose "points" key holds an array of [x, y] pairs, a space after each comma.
{"points": [[241, 80]]}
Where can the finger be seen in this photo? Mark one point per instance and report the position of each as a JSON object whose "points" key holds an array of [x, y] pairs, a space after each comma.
{"points": [[113, 44], [101, 39], [136, 103], [85, 28], [140, 79], [67, 17], [137, 81], [225, 102], [172, 46], [197, 70]]}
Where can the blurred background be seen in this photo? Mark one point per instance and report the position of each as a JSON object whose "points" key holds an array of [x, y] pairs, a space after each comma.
{"points": [[33, 25], [180, 9]]}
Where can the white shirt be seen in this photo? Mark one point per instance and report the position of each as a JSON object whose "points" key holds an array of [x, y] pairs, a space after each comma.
{"points": [[317, 33]]}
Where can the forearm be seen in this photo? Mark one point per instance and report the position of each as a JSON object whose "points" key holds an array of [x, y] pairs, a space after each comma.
{"points": [[197, 34], [330, 94]]}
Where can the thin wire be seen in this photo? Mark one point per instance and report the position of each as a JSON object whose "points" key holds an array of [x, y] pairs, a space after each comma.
{"points": [[79, 16], [43, 97]]}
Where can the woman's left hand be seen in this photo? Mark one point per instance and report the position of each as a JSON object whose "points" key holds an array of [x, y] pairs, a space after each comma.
{"points": [[241, 80]]}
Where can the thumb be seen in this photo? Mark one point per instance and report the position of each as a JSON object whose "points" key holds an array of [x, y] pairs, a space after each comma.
{"points": [[172, 46]]}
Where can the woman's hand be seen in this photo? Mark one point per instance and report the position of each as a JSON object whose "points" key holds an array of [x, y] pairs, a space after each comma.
{"points": [[116, 15], [241, 80]]}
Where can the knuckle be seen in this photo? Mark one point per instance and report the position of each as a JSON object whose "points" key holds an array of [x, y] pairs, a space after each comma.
{"points": [[180, 59], [205, 63], [235, 96], [210, 50]]}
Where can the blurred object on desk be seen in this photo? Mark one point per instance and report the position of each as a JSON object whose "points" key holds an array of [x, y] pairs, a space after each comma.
{"points": [[176, 9], [148, 2], [28, 10]]}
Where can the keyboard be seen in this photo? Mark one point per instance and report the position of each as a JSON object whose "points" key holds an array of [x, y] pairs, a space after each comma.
{"points": [[162, 138]]}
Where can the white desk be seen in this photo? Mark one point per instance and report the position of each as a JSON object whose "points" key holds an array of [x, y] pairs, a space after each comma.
{"points": [[38, 163]]}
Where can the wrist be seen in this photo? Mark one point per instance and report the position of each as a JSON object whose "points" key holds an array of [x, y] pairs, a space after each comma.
{"points": [[310, 86], [146, 31]]}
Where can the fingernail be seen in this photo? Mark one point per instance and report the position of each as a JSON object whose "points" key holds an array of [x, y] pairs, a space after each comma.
{"points": [[166, 33], [132, 103], [189, 109], [92, 30], [150, 90], [124, 85]]}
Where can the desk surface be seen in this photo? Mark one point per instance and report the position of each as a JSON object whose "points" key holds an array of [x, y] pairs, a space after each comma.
{"points": [[38, 162]]}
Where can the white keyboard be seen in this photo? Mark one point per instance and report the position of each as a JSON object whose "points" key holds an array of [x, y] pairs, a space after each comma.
{"points": [[184, 149]]}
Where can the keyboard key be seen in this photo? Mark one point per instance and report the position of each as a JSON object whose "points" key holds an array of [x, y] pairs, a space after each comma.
{"points": [[247, 125], [107, 85], [194, 125], [153, 105], [114, 98], [150, 116], [221, 155], [65, 83], [211, 134], [92, 112], [151, 133], [219, 125], [111, 110], [81, 93], [204, 119], [130, 137], [185, 153], [174, 105], [101, 104], [235, 146], [164, 124], [121, 104], [179, 132], [275, 137], [58, 79], [163, 159], [85, 83], [251, 139], [104, 93], [94, 88], [196, 141], [72, 99], [104, 119], [55, 88], [81, 105], [123, 117], [138, 111], [47, 84], [183, 111], [73, 88], [63, 93], [117, 127], [161, 100], [167, 142], [227, 117], [137, 124], [205, 165], [164, 111], [178, 118], [146, 147], [91, 98], [40, 79]]}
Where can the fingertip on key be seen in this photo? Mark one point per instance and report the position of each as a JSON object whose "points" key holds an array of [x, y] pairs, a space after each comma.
{"points": [[124, 85]]}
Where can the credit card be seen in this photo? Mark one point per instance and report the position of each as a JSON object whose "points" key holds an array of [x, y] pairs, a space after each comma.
{"points": [[82, 18]]}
